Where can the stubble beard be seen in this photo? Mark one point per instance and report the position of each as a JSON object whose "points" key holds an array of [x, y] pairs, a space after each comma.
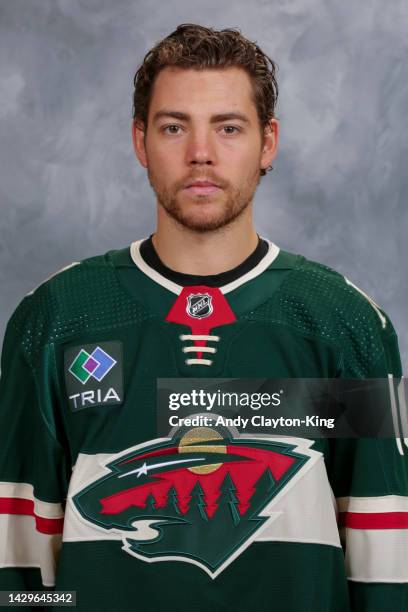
{"points": [[237, 201]]}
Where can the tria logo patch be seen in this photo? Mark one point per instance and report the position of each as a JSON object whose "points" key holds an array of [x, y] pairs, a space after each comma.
{"points": [[93, 375], [97, 364], [202, 496], [199, 305]]}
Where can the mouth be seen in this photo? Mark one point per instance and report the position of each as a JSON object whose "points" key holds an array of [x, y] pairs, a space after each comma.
{"points": [[202, 188]]}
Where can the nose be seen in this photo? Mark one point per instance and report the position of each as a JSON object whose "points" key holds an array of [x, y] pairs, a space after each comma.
{"points": [[200, 148]]}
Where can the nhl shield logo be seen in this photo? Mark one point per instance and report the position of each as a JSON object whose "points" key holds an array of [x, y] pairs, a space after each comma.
{"points": [[199, 305]]}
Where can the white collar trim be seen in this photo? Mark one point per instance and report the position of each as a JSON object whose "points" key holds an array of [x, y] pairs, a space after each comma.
{"points": [[269, 257]]}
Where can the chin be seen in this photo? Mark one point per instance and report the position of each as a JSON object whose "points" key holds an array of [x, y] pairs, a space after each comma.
{"points": [[203, 223], [201, 210], [201, 213]]}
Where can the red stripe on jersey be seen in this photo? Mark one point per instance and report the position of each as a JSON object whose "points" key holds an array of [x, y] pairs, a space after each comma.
{"points": [[49, 526], [374, 520], [15, 505]]}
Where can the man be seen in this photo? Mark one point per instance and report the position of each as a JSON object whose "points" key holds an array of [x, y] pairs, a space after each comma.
{"points": [[254, 524]]}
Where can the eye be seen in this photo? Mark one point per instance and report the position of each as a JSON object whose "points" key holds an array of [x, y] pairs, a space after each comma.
{"points": [[169, 129], [231, 129]]}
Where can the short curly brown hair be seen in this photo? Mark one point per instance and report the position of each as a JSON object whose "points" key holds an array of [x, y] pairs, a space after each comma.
{"points": [[198, 47]]}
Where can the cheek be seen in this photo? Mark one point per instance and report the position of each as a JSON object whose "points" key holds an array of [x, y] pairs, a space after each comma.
{"points": [[242, 163], [161, 162], [168, 158], [244, 152]]}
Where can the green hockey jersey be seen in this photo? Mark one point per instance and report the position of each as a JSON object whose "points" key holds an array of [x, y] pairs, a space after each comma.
{"points": [[93, 500]]}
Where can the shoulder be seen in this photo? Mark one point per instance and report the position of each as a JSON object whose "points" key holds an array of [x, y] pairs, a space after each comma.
{"points": [[83, 295], [71, 285], [318, 302], [74, 272], [328, 295]]}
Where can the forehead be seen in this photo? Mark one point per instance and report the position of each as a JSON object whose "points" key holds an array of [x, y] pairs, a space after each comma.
{"points": [[205, 91]]}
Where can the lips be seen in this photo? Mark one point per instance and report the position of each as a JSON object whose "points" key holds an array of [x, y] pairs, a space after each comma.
{"points": [[202, 188]]}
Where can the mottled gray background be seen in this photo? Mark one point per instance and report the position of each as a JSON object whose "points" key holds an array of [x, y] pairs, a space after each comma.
{"points": [[70, 186]]}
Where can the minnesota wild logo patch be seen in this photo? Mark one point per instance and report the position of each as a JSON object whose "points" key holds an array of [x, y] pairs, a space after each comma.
{"points": [[200, 497]]}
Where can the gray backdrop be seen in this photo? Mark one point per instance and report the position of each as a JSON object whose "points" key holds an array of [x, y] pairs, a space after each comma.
{"points": [[70, 186]]}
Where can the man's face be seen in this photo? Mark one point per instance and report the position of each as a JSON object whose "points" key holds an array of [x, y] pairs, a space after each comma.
{"points": [[203, 126]]}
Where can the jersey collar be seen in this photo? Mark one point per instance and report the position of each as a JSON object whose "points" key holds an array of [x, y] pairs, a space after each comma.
{"points": [[263, 264]]}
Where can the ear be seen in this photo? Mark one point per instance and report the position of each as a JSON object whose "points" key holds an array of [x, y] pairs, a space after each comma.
{"points": [[270, 143], [138, 135]]}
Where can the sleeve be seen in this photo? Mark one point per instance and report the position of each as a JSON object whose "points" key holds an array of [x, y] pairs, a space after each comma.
{"points": [[33, 472], [369, 478]]}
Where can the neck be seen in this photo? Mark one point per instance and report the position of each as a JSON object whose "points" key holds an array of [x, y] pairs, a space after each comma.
{"points": [[212, 252]]}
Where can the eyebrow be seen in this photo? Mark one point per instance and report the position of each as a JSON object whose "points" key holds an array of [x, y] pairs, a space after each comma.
{"points": [[214, 118]]}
